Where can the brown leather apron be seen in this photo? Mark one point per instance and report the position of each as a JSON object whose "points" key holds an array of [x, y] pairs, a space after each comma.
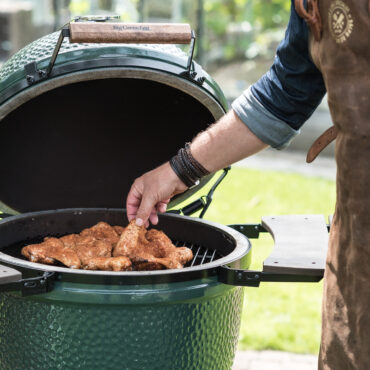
{"points": [[342, 53]]}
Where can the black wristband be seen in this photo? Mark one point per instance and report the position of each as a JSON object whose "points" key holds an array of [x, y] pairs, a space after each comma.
{"points": [[177, 168], [191, 168], [201, 170], [186, 167]]}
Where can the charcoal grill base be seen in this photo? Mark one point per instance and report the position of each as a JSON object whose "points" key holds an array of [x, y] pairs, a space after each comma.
{"points": [[192, 334], [176, 319]]}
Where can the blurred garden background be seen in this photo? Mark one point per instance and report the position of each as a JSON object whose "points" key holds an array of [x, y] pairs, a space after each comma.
{"points": [[236, 43], [236, 39]]}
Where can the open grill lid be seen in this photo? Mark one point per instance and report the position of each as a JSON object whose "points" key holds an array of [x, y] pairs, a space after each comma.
{"points": [[104, 115]]}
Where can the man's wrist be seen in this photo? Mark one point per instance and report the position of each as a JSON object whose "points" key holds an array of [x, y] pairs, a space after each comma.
{"points": [[173, 178]]}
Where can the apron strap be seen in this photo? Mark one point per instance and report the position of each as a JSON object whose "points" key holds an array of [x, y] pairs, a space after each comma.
{"points": [[321, 143], [311, 16], [313, 19]]}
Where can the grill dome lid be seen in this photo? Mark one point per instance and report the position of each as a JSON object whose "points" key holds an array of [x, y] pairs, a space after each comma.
{"points": [[106, 114]]}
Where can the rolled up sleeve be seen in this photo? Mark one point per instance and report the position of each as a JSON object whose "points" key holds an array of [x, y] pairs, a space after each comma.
{"points": [[267, 127], [280, 102]]}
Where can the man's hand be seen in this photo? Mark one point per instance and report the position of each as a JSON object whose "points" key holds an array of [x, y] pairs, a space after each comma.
{"points": [[222, 144], [151, 193]]}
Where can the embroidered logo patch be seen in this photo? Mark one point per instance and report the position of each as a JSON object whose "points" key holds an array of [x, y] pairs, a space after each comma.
{"points": [[340, 21]]}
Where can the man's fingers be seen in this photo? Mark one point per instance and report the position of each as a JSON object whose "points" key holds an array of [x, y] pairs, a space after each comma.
{"points": [[153, 218], [161, 207], [145, 209], [141, 207], [133, 202], [144, 200]]}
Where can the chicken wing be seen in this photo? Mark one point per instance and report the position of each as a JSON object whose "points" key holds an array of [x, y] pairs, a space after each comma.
{"points": [[69, 241], [130, 239], [109, 264], [119, 229], [102, 231], [51, 250], [152, 248], [163, 247]]}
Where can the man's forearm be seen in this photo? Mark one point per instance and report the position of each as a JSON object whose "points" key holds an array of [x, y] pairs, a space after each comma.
{"points": [[224, 143]]}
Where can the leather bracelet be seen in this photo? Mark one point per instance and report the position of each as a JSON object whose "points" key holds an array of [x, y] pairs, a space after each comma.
{"points": [[203, 171], [186, 166], [179, 173], [191, 168]]}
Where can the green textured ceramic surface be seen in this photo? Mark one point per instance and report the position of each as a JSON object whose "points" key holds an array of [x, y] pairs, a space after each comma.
{"points": [[131, 327], [40, 51]]}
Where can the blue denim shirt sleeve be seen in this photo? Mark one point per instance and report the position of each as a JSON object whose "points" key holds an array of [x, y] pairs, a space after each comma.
{"points": [[270, 129], [290, 91]]}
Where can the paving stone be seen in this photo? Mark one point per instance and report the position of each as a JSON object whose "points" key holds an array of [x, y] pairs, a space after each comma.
{"points": [[273, 360]]}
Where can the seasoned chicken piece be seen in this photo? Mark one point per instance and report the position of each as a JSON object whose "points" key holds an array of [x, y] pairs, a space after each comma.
{"points": [[69, 241], [102, 231], [103, 247], [148, 266], [93, 249], [183, 254], [51, 250], [109, 264], [119, 229], [152, 248], [162, 247], [162, 244], [37, 253], [145, 261], [87, 246], [130, 240]]}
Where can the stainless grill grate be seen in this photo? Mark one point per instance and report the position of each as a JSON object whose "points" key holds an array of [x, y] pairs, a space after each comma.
{"points": [[201, 254]]}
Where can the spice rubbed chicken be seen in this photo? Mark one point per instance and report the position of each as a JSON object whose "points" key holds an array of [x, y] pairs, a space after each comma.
{"points": [[111, 248]]}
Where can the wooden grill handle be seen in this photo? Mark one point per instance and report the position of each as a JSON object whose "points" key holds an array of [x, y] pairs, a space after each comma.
{"points": [[149, 33]]}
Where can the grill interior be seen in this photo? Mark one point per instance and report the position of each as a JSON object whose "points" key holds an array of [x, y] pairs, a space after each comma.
{"points": [[68, 144]]}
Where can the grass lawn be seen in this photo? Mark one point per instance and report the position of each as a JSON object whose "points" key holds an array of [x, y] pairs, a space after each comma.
{"points": [[280, 316]]}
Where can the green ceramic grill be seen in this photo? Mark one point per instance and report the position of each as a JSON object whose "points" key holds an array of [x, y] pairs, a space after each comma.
{"points": [[83, 112]]}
